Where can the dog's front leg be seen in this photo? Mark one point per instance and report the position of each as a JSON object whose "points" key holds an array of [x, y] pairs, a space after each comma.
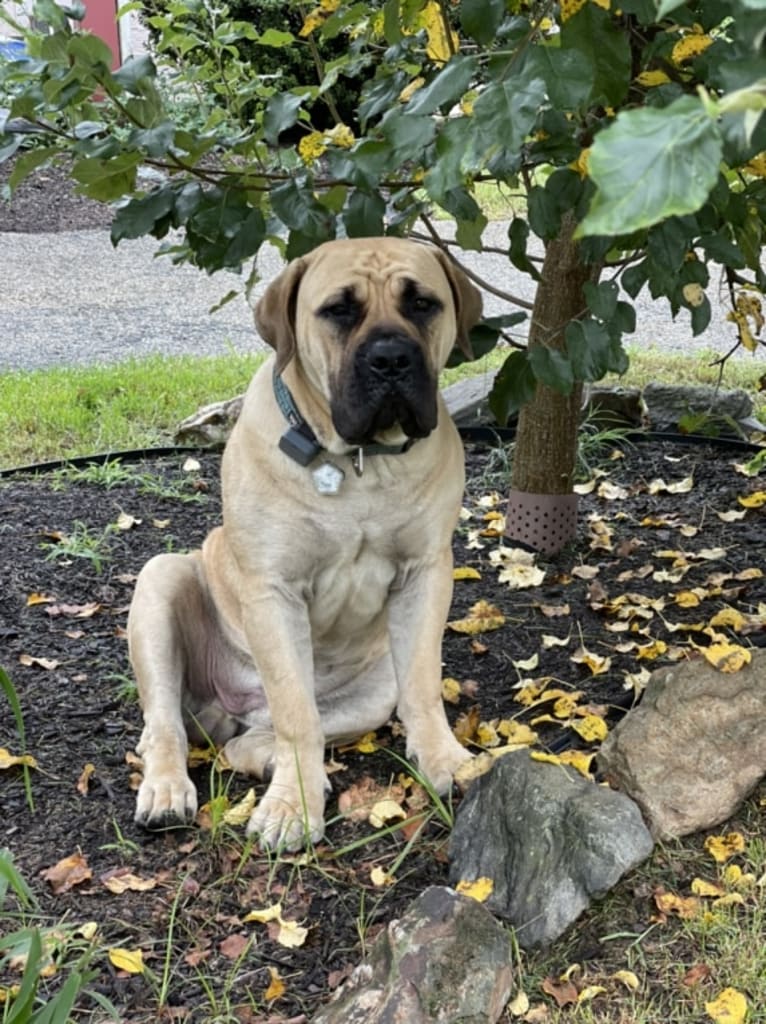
{"points": [[417, 615], [291, 812]]}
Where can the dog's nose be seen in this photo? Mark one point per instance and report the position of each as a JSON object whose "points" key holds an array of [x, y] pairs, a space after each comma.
{"points": [[391, 358]]}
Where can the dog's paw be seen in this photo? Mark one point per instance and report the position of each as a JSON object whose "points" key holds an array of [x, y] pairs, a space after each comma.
{"points": [[287, 819], [251, 754], [439, 765], [166, 801]]}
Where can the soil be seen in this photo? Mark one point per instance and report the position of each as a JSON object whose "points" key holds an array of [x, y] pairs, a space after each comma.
{"points": [[68, 561], [62, 632], [47, 201]]}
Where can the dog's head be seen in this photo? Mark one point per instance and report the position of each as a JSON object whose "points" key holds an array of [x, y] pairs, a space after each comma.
{"points": [[372, 322]]}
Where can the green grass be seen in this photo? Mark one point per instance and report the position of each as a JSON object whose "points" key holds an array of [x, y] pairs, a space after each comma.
{"points": [[68, 411], [65, 412]]}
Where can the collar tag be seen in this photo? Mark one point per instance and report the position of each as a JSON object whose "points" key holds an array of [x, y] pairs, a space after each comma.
{"points": [[327, 478]]}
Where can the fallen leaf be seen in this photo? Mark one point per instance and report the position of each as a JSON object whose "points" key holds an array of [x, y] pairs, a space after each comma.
{"points": [[36, 598], [701, 887], [290, 934], [74, 611], [8, 760], [591, 728], [628, 979], [276, 988], [729, 617], [29, 661], [480, 889], [590, 992], [685, 907], [519, 577], [122, 880], [586, 572], [731, 516], [191, 465], [695, 975], [555, 611], [465, 572], [555, 641], [527, 664], [564, 992], [84, 780], [384, 811], [67, 873], [129, 960], [482, 617], [380, 877], [451, 690], [234, 946], [356, 802], [240, 812], [755, 500], [595, 662], [125, 521], [611, 492], [722, 848], [519, 1005], [730, 1007], [726, 657]]}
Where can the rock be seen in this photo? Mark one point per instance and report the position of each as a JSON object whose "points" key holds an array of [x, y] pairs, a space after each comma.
{"points": [[668, 403], [445, 960], [210, 425], [694, 747], [466, 400], [548, 838], [617, 406]]}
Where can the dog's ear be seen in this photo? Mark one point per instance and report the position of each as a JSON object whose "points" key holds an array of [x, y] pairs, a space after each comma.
{"points": [[467, 298], [275, 312]]}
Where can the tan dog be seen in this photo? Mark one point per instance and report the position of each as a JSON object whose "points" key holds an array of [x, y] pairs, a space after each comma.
{"points": [[319, 606]]}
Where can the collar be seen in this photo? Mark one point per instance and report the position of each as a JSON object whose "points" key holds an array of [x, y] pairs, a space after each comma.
{"points": [[300, 443]]}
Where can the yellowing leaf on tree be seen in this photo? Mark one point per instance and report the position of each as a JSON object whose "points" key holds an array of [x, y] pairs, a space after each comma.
{"points": [[290, 933], [9, 760], [465, 572], [441, 39], [726, 657], [730, 1007], [689, 47], [276, 988], [722, 848], [755, 500], [479, 890], [129, 960], [592, 728], [482, 617]]}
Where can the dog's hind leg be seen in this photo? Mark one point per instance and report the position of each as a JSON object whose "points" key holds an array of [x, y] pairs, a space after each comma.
{"points": [[170, 590]]}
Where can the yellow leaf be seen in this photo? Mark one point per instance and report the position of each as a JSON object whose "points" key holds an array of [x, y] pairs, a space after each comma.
{"points": [[482, 617], [486, 735], [652, 78], [729, 617], [129, 960], [651, 651], [276, 987], [516, 733], [519, 1005], [722, 848], [384, 811], [592, 728], [341, 136], [8, 760], [628, 979], [726, 657], [197, 756], [311, 146], [730, 1007], [527, 664], [380, 877], [439, 45], [701, 887], [479, 890], [240, 812], [36, 598], [466, 572], [518, 576], [594, 662], [290, 935], [451, 690], [410, 89], [689, 47], [685, 907], [590, 992], [755, 500], [128, 882]]}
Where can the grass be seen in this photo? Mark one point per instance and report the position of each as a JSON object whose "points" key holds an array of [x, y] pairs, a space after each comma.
{"points": [[70, 411]]}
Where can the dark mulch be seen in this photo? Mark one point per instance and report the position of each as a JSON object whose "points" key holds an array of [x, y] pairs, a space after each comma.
{"points": [[47, 201], [79, 710]]}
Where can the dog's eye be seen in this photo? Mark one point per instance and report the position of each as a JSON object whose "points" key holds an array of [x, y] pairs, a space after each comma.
{"points": [[419, 307], [345, 312]]}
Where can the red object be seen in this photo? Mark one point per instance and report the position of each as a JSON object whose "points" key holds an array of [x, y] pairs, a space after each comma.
{"points": [[101, 19]]}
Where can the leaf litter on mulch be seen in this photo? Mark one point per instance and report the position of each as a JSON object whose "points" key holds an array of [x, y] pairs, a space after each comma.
{"points": [[652, 566]]}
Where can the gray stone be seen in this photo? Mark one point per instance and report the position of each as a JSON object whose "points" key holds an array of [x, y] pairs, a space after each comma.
{"points": [[694, 747], [667, 403], [211, 425], [548, 838], [447, 960], [466, 400]]}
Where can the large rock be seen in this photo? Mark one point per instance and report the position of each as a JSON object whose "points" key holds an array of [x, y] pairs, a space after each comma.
{"points": [[445, 960], [548, 838], [694, 747], [668, 403]]}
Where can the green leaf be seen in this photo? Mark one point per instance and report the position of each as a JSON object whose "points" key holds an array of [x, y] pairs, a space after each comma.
{"points": [[592, 33], [601, 298], [651, 164], [134, 73], [363, 216], [514, 385], [155, 142], [594, 350], [664, 7], [468, 233], [408, 133], [281, 113], [566, 73], [276, 39], [106, 180], [503, 116], [139, 217], [518, 234], [446, 87], [552, 368], [480, 19]]}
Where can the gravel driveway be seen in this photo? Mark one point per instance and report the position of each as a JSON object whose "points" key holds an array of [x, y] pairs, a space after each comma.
{"points": [[71, 298]]}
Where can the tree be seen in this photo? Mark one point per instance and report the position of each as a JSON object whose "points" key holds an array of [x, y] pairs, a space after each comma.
{"points": [[633, 133]]}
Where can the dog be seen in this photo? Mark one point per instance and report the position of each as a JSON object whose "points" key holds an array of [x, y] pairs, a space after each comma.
{"points": [[317, 608]]}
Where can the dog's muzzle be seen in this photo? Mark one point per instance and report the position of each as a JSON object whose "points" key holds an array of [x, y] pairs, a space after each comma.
{"points": [[388, 384]]}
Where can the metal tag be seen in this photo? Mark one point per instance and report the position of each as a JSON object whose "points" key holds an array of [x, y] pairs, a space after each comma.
{"points": [[327, 478]]}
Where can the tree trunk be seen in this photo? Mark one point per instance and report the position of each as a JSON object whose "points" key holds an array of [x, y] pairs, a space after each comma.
{"points": [[546, 440]]}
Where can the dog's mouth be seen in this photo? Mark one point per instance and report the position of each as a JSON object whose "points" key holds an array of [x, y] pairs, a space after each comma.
{"points": [[389, 387]]}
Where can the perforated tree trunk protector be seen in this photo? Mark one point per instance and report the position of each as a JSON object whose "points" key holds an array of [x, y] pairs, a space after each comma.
{"points": [[542, 522]]}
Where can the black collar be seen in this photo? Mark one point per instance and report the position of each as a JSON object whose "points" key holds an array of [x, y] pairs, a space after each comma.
{"points": [[300, 442]]}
